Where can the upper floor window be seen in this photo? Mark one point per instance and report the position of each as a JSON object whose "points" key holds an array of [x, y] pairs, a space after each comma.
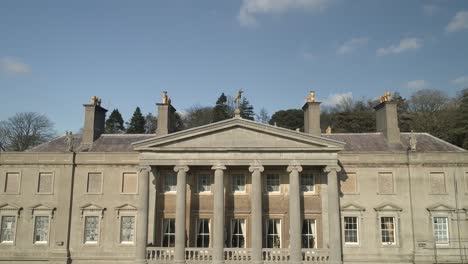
{"points": [[12, 182], [441, 230], [94, 183], [7, 229], [203, 233], [273, 233], [272, 182], [129, 183], [91, 229], [41, 229], [204, 183], [308, 233], [45, 183], [170, 183], [351, 230], [168, 239], [238, 233], [388, 230], [127, 229], [238, 183], [307, 182]]}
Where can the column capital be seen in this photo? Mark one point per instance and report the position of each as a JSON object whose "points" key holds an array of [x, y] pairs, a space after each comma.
{"points": [[144, 169], [330, 168], [218, 167], [183, 168], [256, 167], [294, 167]]}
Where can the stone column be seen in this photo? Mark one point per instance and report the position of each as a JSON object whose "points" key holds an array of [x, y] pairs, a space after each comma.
{"points": [[295, 232], [142, 220], [179, 254], [218, 211], [334, 228], [257, 213]]}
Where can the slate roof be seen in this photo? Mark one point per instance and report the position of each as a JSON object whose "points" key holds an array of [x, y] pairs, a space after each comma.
{"points": [[355, 142]]}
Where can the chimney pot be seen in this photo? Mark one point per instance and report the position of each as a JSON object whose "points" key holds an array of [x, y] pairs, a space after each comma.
{"points": [[95, 119], [166, 116], [312, 115]]}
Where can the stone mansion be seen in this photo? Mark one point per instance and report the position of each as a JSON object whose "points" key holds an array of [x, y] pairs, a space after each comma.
{"points": [[236, 191]]}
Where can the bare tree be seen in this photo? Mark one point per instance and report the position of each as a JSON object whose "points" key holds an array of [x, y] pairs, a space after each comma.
{"points": [[25, 130], [262, 116]]}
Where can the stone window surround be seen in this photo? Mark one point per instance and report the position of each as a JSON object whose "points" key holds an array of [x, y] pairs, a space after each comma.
{"points": [[52, 183], [164, 174], [9, 209], [314, 182], [264, 180], [122, 182], [91, 210], [430, 183], [440, 210], [395, 191], [280, 231], [42, 210], [4, 181], [166, 216], [231, 228], [315, 220], [353, 210], [87, 182], [343, 174], [231, 182], [126, 210], [388, 210]]}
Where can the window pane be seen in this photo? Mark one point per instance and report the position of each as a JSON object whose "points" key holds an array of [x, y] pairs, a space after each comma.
{"points": [[45, 183], [204, 183], [91, 229], [94, 182], [387, 225], [12, 182], [203, 235], [129, 183], [41, 229], [238, 183], [8, 228], [308, 233], [351, 229], [441, 230], [170, 183], [169, 232], [307, 182], [237, 233], [273, 239], [272, 183], [127, 229]]}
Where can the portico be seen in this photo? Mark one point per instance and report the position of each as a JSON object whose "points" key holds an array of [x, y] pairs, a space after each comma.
{"points": [[241, 147]]}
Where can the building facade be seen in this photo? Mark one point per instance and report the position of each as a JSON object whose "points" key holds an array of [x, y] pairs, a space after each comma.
{"points": [[236, 191]]}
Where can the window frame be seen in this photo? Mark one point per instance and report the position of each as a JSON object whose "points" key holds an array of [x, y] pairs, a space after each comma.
{"points": [[232, 232], [41, 243], [314, 233], [268, 174], [42, 210], [342, 175], [91, 210], [9, 209], [91, 243], [279, 232], [87, 183], [135, 223], [197, 234], [163, 232], [441, 243], [235, 175], [301, 180], [394, 181], [52, 172], [199, 175], [137, 189], [358, 228], [165, 177], [127, 210], [9, 243], [431, 191], [395, 230], [4, 182]]}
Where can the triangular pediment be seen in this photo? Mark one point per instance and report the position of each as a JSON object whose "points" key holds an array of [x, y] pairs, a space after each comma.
{"points": [[126, 207], [388, 207], [441, 208], [10, 207], [42, 207], [91, 207], [238, 134], [352, 207]]}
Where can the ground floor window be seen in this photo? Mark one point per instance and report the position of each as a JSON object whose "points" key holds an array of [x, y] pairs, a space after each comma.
{"points": [[127, 229], [238, 233], [168, 239], [307, 182], [441, 230], [91, 229], [7, 229], [41, 229], [388, 230], [351, 230], [273, 231], [203, 233], [308, 233]]}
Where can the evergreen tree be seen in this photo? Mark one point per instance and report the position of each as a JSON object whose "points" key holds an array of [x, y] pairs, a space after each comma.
{"points": [[221, 109], [137, 123], [115, 123], [151, 123], [246, 109], [291, 118], [460, 130], [404, 118]]}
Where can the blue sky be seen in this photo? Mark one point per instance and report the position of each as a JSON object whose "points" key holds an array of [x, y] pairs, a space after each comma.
{"points": [[54, 55]]}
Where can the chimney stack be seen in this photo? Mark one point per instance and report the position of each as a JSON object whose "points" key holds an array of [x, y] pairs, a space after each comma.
{"points": [[166, 116], [95, 119], [387, 119], [312, 116]]}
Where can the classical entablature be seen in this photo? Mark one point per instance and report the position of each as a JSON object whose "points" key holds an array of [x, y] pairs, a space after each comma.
{"points": [[236, 141]]}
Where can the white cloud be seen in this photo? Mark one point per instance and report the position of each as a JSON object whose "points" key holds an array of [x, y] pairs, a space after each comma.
{"points": [[405, 44], [14, 66], [306, 55], [416, 85], [461, 81], [459, 22], [430, 9], [352, 44], [251, 8], [335, 99]]}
